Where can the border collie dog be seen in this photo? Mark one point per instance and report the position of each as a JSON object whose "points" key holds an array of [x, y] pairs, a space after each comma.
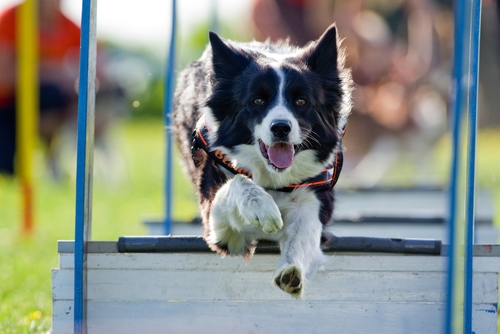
{"points": [[260, 126]]}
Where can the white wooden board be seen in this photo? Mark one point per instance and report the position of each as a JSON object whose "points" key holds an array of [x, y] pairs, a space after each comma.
{"points": [[336, 262], [250, 286], [406, 203], [265, 317], [202, 293]]}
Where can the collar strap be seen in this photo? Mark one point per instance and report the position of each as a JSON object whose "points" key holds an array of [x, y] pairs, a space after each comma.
{"points": [[325, 181], [200, 141]]}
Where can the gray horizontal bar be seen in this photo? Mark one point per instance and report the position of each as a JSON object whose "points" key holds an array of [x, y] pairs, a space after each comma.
{"points": [[67, 246], [160, 244]]}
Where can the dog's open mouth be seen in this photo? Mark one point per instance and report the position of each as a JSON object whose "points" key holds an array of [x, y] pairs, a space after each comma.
{"points": [[279, 155]]}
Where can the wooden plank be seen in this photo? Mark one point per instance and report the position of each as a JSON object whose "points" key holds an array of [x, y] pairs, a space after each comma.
{"points": [[185, 292], [68, 246], [485, 234], [140, 285], [349, 262], [405, 202], [265, 317]]}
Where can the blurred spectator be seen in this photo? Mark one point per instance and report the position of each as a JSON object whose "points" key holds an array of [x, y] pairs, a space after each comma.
{"points": [[59, 43], [399, 55], [299, 20]]}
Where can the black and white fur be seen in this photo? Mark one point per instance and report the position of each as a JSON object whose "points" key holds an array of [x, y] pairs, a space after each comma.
{"points": [[253, 96]]}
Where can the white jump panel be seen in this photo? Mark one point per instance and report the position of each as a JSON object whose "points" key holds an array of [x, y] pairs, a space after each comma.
{"points": [[263, 317], [190, 293]]}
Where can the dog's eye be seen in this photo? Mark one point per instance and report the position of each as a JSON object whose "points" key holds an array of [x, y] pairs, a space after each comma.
{"points": [[258, 102], [300, 102]]}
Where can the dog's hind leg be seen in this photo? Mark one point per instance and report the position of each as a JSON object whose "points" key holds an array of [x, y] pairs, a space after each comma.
{"points": [[238, 209], [301, 254]]}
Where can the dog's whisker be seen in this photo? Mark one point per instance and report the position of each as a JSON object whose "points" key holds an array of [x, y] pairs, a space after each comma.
{"points": [[310, 138]]}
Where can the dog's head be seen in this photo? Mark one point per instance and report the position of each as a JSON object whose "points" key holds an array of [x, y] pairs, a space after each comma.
{"points": [[278, 110]]}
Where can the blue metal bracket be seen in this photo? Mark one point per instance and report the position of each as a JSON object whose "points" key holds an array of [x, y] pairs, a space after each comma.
{"points": [[85, 159], [473, 70], [168, 112], [467, 19]]}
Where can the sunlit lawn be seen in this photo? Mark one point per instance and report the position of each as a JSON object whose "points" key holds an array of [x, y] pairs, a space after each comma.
{"points": [[124, 196], [119, 208]]}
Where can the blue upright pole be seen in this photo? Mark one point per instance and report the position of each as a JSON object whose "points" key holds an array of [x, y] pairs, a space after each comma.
{"points": [[471, 156], [85, 158], [168, 109], [457, 103]]}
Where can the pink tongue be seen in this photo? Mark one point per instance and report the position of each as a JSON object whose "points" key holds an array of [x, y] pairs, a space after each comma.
{"points": [[281, 155]]}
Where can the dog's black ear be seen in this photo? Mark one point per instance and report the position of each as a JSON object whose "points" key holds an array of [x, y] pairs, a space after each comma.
{"points": [[228, 60], [322, 56]]}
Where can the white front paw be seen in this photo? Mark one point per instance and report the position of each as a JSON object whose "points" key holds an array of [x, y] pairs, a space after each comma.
{"points": [[259, 209], [264, 213]]}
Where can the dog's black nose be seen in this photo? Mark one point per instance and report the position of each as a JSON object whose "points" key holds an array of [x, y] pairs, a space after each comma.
{"points": [[281, 128]]}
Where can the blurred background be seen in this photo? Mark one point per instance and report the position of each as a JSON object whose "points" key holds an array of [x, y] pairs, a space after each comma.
{"points": [[400, 55]]}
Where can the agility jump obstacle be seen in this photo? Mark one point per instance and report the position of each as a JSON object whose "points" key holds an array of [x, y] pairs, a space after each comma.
{"points": [[191, 291], [111, 287]]}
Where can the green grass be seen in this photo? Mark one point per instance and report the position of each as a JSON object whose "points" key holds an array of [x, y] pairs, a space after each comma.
{"points": [[119, 208]]}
